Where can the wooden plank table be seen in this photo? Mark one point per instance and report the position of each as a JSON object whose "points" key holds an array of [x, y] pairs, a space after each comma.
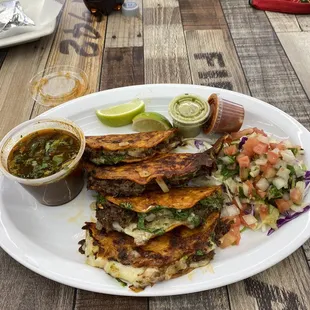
{"points": [[221, 43]]}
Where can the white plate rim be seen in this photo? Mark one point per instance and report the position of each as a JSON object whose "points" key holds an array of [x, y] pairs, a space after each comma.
{"points": [[277, 257]]}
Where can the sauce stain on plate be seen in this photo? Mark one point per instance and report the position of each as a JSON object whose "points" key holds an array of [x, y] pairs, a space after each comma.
{"points": [[76, 218]]}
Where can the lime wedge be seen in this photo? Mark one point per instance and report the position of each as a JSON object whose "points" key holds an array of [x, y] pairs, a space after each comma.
{"points": [[122, 114], [150, 121]]}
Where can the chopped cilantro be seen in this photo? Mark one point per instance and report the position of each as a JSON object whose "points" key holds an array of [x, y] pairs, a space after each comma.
{"points": [[215, 200], [126, 205], [200, 253], [228, 173], [274, 193], [100, 199]]}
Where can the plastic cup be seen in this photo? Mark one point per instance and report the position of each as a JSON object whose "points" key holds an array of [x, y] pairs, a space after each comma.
{"points": [[57, 85], [58, 188]]}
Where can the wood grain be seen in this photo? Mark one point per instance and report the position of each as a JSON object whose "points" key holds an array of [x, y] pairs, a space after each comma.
{"points": [[306, 247], [165, 56], [123, 31], [216, 299], [267, 69], [20, 65], [297, 46], [283, 22], [3, 53], [122, 67], [21, 288], [79, 42], [88, 300], [284, 286], [213, 60], [201, 14], [304, 22]]}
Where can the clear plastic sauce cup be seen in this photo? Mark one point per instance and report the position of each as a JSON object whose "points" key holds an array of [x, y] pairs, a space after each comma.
{"points": [[58, 188]]}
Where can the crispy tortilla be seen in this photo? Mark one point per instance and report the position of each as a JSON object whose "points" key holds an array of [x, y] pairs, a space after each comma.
{"points": [[162, 166], [167, 256], [143, 140], [176, 198]]}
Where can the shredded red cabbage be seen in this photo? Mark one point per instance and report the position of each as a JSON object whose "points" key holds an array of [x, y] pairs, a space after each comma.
{"points": [[243, 140], [198, 144], [287, 218], [250, 210]]}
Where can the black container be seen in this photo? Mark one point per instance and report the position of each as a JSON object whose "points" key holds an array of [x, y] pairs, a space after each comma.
{"points": [[104, 7]]}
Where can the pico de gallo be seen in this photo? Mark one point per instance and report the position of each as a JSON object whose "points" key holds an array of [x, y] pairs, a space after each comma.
{"points": [[265, 181]]}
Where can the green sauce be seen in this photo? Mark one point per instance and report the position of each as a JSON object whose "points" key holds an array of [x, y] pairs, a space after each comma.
{"points": [[42, 153]]}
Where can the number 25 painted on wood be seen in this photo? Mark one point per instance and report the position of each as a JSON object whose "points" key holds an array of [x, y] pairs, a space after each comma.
{"points": [[81, 29]]}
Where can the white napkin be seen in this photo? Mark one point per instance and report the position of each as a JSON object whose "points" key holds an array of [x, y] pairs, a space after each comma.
{"points": [[42, 12]]}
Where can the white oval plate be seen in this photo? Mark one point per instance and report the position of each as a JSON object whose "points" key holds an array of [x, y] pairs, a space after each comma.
{"points": [[44, 239]]}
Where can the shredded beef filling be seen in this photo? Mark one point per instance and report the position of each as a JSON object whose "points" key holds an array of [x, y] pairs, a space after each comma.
{"points": [[129, 188], [111, 213]]}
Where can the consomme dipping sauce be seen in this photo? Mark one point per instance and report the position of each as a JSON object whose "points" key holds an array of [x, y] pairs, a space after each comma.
{"points": [[43, 156]]}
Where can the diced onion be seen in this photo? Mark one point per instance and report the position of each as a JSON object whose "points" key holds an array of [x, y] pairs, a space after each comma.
{"points": [[231, 210], [245, 188], [249, 219], [287, 143], [261, 161], [262, 184], [263, 139], [144, 173], [279, 183], [297, 208], [288, 156], [276, 151], [238, 202], [123, 143], [301, 186], [299, 171], [254, 171], [162, 185], [284, 173]]}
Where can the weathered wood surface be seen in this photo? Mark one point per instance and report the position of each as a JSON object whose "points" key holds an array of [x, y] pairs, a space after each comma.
{"points": [[216, 299], [123, 31], [213, 60], [122, 67], [284, 286], [297, 47], [201, 14], [78, 42], [165, 55], [21, 288], [283, 22], [88, 300], [222, 43], [267, 69], [304, 22]]}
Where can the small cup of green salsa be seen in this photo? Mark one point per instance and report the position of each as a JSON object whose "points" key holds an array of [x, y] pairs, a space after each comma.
{"points": [[43, 156]]}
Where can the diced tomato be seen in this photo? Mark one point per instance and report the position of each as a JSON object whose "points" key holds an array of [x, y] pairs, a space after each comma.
{"points": [[259, 131], [239, 134], [281, 146], [283, 205], [268, 171], [260, 148], [261, 194], [251, 187], [249, 146], [263, 211], [230, 150], [243, 161], [296, 195], [233, 236], [272, 157], [228, 239]]}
